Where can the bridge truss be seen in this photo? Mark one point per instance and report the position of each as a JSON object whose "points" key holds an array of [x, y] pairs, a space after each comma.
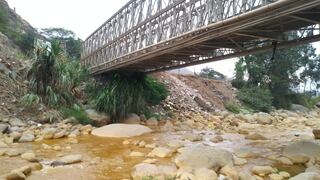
{"points": [[153, 35]]}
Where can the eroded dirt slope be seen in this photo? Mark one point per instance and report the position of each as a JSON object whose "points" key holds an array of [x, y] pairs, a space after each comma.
{"points": [[193, 93]]}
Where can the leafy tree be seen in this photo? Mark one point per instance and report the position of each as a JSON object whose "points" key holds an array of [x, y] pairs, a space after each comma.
{"points": [[66, 37], [210, 73], [279, 72]]}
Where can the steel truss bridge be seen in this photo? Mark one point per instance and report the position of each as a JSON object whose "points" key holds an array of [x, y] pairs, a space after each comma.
{"points": [[156, 35]]}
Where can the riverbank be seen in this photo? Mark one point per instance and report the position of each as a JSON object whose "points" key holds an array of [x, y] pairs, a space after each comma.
{"points": [[251, 146]]}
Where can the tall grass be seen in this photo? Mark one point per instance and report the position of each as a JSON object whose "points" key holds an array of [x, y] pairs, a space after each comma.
{"points": [[53, 77], [127, 93]]}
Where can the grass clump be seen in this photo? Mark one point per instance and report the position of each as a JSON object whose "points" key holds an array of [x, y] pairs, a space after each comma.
{"points": [[256, 98], [78, 113], [126, 93], [30, 99], [232, 107]]}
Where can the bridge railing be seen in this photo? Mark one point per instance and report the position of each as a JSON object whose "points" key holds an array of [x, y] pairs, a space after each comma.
{"points": [[142, 23]]}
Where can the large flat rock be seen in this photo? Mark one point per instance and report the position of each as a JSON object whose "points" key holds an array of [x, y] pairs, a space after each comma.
{"points": [[121, 130]]}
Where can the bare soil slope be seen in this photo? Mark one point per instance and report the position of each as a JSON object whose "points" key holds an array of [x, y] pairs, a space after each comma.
{"points": [[193, 93]]}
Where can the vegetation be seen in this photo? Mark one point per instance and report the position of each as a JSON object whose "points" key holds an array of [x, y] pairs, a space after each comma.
{"points": [[127, 93], [22, 37], [232, 107], [210, 73], [78, 113], [3, 19], [67, 38], [306, 99], [29, 100], [256, 98], [54, 78], [279, 73]]}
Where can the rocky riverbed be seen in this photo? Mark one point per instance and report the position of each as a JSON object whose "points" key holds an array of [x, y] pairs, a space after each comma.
{"points": [[275, 146]]}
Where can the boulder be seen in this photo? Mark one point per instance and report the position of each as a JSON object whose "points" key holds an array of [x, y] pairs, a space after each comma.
{"points": [[31, 157], [86, 129], [205, 174], [316, 133], [263, 118], [152, 122], [246, 153], [302, 151], [256, 136], [59, 134], [217, 139], [69, 159], [98, 119], [275, 177], [246, 117], [151, 171], [70, 120], [27, 137], [306, 176], [299, 108], [262, 170], [15, 135], [246, 176], [315, 169], [193, 137], [131, 119], [136, 154], [3, 128], [168, 126], [48, 133], [16, 122], [3, 145], [230, 172], [160, 152], [200, 156], [239, 161], [13, 152], [121, 131]]}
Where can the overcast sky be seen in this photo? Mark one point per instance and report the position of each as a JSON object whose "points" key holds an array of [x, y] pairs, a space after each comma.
{"points": [[83, 17]]}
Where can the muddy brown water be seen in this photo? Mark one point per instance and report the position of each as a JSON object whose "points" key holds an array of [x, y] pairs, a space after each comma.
{"points": [[108, 158]]}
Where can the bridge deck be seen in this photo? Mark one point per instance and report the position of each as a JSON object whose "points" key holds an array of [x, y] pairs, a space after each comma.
{"points": [[153, 35]]}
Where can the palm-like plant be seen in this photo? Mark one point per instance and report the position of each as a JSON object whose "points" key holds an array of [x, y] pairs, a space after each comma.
{"points": [[53, 76]]}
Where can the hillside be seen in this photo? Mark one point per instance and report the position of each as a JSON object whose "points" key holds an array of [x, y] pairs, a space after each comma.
{"points": [[193, 93], [16, 28]]}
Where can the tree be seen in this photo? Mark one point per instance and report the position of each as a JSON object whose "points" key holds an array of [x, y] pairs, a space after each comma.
{"points": [[210, 73], [66, 37], [279, 72]]}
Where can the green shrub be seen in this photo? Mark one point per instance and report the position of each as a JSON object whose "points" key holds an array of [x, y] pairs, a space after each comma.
{"points": [[54, 78], [76, 112], [30, 99], [256, 98], [154, 91], [305, 99], [126, 93], [232, 107]]}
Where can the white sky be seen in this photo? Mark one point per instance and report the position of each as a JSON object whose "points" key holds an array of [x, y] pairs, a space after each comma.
{"points": [[83, 17]]}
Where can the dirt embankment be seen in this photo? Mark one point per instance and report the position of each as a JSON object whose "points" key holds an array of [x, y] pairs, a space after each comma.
{"points": [[193, 93]]}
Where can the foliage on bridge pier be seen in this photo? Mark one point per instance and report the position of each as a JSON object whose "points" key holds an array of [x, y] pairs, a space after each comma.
{"points": [[126, 92]]}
